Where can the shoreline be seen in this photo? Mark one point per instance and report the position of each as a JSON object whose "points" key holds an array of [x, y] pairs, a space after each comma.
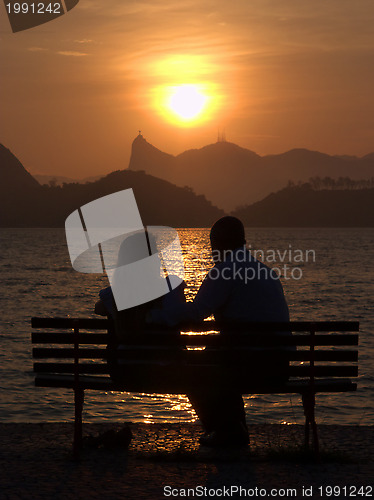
{"points": [[36, 461]]}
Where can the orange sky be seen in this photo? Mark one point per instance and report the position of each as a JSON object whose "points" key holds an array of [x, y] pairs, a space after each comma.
{"points": [[279, 73]]}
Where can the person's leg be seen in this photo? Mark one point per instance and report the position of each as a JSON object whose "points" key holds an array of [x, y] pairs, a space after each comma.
{"points": [[231, 413], [204, 404], [222, 415]]}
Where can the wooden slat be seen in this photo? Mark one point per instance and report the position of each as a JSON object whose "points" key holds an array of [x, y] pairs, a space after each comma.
{"points": [[69, 323], [106, 384], [209, 355], [324, 371], [233, 340], [102, 338], [319, 355], [67, 381], [68, 338], [99, 353], [301, 355], [325, 385], [294, 371], [249, 355], [269, 340], [295, 326], [92, 368], [64, 353]]}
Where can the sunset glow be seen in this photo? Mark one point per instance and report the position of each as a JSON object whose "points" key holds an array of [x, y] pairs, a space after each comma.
{"points": [[293, 76]]}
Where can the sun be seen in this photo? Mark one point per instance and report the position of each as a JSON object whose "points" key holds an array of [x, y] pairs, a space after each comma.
{"points": [[185, 91], [187, 102]]}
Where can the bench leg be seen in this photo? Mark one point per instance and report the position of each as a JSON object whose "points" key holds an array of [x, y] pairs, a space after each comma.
{"points": [[78, 402], [309, 402]]}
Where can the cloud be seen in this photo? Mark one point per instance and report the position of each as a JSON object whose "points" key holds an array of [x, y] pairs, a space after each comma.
{"points": [[85, 40], [71, 53], [37, 49]]}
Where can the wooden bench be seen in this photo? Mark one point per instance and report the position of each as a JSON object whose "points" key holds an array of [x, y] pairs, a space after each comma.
{"points": [[322, 358]]}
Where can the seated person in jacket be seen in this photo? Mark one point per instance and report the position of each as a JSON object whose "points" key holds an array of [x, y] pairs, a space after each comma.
{"points": [[238, 288]]}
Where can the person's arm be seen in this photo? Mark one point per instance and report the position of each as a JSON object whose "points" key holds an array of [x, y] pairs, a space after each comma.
{"points": [[213, 293]]}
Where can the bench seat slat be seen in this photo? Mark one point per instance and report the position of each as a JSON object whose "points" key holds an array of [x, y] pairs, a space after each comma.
{"points": [[243, 355], [294, 371], [246, 352], [324, 371], [103, 353], [61, 353], [271, 339], [69, 338], [237, 355], [202, 340], [70, 323], [97, 323], [106, 384], [92, 368]]}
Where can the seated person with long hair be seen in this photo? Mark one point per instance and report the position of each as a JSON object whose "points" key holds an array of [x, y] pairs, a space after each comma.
{"points": [[130, 323]]}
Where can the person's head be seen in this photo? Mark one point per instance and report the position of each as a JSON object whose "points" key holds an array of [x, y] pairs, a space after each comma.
{"points": [[133, 248], [226, 234]]}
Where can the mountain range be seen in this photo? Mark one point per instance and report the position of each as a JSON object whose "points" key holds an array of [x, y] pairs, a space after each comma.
{"points": [[302, 206], [323, 202], [230, 175], [26, 203]]}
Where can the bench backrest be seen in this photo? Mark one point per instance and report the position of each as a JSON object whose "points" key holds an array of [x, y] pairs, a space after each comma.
{"points": [[315, 349]]}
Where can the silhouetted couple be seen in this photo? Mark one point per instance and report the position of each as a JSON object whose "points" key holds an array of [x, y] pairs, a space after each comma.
{"points": [[238, 288]]}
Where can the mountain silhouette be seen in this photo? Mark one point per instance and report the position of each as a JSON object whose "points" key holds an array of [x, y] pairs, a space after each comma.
{"points": [[302, 206], [25, 203], [18, 190], [143, 155], [14, 173], [159, 201], [230, 175]]}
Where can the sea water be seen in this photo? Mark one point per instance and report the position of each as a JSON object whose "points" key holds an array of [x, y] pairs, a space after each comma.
{"points": [[327, 274]]}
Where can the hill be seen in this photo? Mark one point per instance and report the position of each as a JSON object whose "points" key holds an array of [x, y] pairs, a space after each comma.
{"points": [[302, 206], [159, 201], [12, 172], [18, 189], [230, 175], [25, 203], [345, 202], [60, 179]]}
